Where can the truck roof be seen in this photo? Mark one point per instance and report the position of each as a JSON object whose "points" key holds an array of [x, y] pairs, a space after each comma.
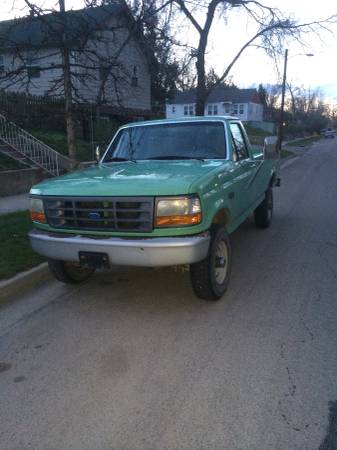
{"points": [[182, 119]]}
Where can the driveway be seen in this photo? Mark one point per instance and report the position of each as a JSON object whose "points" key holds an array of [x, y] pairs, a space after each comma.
{"points": [[132, 360]]}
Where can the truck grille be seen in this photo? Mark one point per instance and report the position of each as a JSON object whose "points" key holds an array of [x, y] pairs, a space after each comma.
{"points": [[100, 213]]}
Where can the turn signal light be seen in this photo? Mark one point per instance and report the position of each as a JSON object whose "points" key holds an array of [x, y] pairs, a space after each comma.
{"points": [[38, 216], [176, 221]]}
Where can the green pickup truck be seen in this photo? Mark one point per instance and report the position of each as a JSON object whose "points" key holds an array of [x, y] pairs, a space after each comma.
{"points": [[165, 192]]}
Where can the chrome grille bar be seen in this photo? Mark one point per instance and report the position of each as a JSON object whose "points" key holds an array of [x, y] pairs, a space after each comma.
{"points": [[100, 213]]}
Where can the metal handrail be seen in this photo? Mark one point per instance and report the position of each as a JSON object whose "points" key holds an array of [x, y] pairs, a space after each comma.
{"points": [[28, 145]]}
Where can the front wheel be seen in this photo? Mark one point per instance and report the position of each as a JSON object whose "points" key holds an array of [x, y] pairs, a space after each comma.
{"points": [[210, 277], [69, 272], [263, 214]]}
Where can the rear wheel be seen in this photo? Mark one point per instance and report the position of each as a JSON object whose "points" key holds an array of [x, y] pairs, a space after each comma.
{"points": [[210, 277], [263, 214], [69, 272]]}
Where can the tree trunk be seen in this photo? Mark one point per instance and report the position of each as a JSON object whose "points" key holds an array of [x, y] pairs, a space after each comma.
{"points": [[201, 92], [68, 95]]}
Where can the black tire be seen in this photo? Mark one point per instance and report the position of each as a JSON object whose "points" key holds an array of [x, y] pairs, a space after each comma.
{"points": [[209, 277], [69, 272], [263, 214]]}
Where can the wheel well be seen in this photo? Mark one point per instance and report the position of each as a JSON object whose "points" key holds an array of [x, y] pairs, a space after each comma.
{"points": [[222, 217]]}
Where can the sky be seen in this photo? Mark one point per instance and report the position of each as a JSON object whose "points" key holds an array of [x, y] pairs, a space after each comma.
{"points": [[319, 70], [254, 67]]}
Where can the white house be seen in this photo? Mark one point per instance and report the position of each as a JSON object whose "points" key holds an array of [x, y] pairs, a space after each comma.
{"points": [[109, 61], [242, 103]]}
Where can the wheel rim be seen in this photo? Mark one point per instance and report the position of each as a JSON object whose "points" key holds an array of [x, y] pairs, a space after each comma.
{"points": [[221, 262]]}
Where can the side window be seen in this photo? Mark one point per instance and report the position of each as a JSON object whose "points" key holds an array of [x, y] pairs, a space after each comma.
{"points": [[239, 143]]}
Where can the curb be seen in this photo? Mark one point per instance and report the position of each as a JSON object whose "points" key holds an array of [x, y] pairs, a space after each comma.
{"points": [[24, 281], [289, 161]]}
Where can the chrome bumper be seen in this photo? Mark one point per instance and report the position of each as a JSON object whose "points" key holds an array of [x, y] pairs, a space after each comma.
{"points": [[146, 252]]}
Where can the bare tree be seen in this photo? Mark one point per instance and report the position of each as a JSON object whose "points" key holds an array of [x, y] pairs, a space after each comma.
{"points": [[307, 108], [68, 91], [272, 28], [82, 49]]}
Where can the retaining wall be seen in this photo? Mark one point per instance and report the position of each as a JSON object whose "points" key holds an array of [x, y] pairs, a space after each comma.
{"points": [[14, 182]]}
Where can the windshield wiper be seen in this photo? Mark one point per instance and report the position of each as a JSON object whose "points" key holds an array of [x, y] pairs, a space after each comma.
{"points": [[172, 157]]}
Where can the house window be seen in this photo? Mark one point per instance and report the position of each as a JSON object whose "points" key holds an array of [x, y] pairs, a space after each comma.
{"points": [[212, 109], [2, 64], [189, 110], [97, 34], [241, 108], [33, 72], [235, 109], [134, 78], [103, 73], [33, 67], [173, 109]]}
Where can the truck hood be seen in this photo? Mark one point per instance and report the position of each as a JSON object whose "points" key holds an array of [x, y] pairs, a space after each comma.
{"points": [[129, 179]]}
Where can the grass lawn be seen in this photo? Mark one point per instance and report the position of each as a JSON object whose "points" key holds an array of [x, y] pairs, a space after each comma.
{"points": [[251, 131], [58, 141], [16, 253], [256, 136], [305, 142], [285, 153]]}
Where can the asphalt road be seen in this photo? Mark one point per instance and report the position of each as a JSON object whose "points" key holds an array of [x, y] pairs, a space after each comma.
{"points": [[132, 360]]}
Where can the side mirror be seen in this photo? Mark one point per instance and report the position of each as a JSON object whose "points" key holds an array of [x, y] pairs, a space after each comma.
{"points": [[270, 150], [98, 154]]}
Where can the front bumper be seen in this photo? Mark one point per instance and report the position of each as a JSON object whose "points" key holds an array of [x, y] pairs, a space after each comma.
{"points": [[146, 252]]}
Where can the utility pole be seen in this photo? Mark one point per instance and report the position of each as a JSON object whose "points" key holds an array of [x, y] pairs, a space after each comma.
{"points": [[281, 126]]}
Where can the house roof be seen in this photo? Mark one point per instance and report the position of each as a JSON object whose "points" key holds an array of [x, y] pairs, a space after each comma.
{"points": [[219, 94], [45, 30]]}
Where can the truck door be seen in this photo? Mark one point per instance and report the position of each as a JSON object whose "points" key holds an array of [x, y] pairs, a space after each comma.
{"points": [[244, 169]]}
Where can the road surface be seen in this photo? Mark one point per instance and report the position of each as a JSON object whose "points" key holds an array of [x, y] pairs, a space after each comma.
{"points": [[132, 360]]}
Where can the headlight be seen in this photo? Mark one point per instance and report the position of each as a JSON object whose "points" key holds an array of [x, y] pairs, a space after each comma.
{"points": [[36, 210], [177, 211]]}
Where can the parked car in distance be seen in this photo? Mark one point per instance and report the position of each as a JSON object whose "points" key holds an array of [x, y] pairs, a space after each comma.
{"points": [[165, 192], [329, 133]]}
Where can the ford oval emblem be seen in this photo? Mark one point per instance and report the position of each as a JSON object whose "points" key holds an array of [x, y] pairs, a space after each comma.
{"points": [[94, 215]]}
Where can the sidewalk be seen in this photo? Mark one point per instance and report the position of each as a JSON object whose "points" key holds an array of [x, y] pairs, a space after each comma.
{"points": [[14, 203]]}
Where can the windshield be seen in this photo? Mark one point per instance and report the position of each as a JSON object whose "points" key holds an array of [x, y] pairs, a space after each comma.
{"points": [[198, 140]]}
